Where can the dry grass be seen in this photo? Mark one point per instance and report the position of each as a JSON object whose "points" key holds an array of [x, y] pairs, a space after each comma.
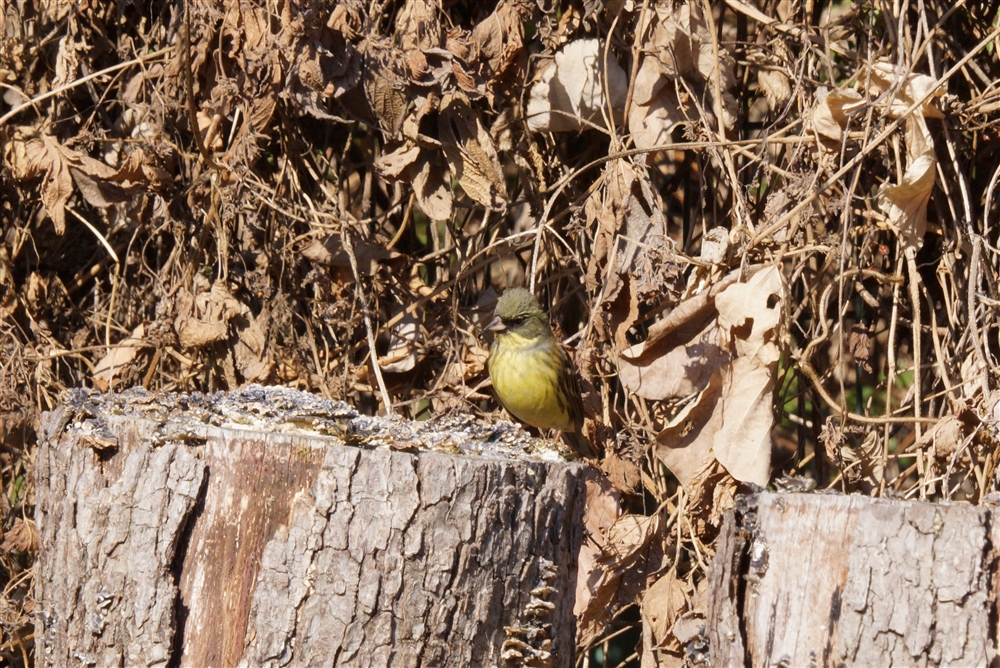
{"points": [[365, 178]]}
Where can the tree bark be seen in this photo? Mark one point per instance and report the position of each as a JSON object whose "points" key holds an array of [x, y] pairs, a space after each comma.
{"points": [[831, 580], [223, 530]]}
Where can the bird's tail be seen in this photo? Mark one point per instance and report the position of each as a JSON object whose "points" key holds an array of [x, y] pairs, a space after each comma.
{"points": [[579, 444]]}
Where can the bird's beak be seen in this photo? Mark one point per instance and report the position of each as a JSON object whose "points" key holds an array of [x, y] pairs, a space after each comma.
{"points": [[496, 325]]}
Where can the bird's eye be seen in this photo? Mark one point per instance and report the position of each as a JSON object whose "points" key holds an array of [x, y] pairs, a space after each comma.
{"points": [[514, 322]]}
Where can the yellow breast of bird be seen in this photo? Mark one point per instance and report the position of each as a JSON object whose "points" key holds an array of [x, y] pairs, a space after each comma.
{"points": [[526, 383]]}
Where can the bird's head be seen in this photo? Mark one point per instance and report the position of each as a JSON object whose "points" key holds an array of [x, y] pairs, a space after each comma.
{"points": [[519, 312]]}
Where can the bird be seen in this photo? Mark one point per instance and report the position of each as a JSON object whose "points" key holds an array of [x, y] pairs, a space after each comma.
{"points": [[532, 375]]}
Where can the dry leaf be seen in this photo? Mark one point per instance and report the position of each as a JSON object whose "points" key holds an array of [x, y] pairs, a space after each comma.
{"points": [[500, 38], [470, 152], [681, 351], [329, 250], [418, 26], [688, 626], [22, 537], [385, 87], [832, 110], [655, 110], [751, 313], [431, 183], [905, 89], [67, 61], [630, 232], [251, 352], [685, 444], [731, 418], [742, 443], [29, 157], [432, 187], [905, 204], [893, 90], [860, 343], [715, 246], [662, 604], [406, 343], [616, 560], [945, 437], [777, 89], [571, 90], [625, 475], [685, 365], [204, 318], [117, 358], [395, 165], [862, 465], [603, 508], [682, 63]]}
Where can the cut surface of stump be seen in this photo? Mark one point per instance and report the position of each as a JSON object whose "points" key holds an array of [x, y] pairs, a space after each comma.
{"points": [[833, 580], [268, 527]]}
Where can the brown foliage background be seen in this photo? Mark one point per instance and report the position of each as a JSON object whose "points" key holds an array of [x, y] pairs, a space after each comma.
{"points": [[331, 195]]}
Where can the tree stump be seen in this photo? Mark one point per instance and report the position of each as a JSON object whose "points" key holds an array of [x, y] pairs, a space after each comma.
{"points": [[833, 580], [268, 527]]}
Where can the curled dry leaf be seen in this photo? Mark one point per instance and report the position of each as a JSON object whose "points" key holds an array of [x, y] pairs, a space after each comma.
{"points": [[117, 359], [904, 89], [329, 250], [30, 157], [751, 313], [432, 186], [688, 627], [471, 154], [905, 204], [385, 86], [776, 86], [662, 604], [945, 437], [742, 442], [861, 344], [894, 90], [712, 491], [615, 562], [8, 288], [570, 95], [654, 112], [630, 234], [831, 113], [397, 164], [212, 315], [68, 60], [680, 69], [406, 343], [593, 589], [250, 351], [22, 537], [730, 419], [500, 38], [418, 26], [326, 63], [715, 246], [431, 183], [204, 318], [681, 351], [862, 465], [624, 474]]}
